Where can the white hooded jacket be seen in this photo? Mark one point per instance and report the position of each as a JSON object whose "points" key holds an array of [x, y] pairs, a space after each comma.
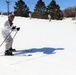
{"points": [[6, 29]]}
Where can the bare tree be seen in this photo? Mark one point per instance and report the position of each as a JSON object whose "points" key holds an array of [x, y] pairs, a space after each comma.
{"points": [[70, 12]]}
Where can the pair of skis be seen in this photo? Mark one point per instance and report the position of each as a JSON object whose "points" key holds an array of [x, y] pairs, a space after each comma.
{"points": [[19, 53]]}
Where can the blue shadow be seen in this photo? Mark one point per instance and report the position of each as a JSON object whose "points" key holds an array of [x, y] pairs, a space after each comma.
{"points": [[45, 50]]}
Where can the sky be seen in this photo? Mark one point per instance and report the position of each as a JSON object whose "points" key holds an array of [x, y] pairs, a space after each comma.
{"points": [[31, 4]]}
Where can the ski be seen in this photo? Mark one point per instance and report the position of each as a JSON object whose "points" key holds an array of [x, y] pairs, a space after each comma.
{"points": [[18, 53]]}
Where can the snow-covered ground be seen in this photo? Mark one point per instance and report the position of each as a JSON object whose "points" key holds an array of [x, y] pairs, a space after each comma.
{"points": [[52, 45]]}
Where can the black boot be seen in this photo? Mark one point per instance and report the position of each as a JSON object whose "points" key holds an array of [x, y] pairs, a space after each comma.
{"points": [[7, 52], [13, 50]]}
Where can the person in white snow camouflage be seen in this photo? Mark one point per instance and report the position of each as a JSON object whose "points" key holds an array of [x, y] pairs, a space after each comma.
{"points": [[49, 16], [7, 28]]}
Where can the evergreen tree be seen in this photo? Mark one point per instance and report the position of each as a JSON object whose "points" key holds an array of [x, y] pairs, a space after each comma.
{"points": [[20, 8], [40, 6], [54, 10], [39, 10]]}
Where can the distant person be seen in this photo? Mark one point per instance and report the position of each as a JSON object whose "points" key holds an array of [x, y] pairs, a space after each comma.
{"points": [[7, 28], [30, 15], [1, 13], [49, 16]]}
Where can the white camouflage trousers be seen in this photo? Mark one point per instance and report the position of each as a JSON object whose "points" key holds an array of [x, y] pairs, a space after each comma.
{"points": [[8, 42]]}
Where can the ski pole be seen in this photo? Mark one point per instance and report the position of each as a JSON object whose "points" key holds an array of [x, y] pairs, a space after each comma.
{"points": [[5, 38], [15, 34]]}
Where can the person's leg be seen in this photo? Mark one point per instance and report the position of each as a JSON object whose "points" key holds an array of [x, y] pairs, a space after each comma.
{"points": [[11, 42], [8, 45]]}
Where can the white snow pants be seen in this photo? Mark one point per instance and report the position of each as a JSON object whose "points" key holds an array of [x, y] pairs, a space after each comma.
{"points": [[8, 42]]}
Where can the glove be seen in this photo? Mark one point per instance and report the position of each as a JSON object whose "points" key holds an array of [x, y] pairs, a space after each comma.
{"points": [[14, 27], [18, 28]]}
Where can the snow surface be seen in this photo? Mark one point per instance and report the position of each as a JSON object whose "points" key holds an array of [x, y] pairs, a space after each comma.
{"points": [[51, 44]]}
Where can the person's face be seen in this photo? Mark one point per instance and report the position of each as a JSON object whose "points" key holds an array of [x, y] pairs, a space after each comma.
{"points": [[11, 19]]}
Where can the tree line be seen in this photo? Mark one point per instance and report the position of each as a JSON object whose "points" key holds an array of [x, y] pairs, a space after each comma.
{"points": [[41, 10]]}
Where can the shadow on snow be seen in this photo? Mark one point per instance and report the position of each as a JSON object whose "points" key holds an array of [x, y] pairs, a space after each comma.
{"points": [[45, 50]]}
